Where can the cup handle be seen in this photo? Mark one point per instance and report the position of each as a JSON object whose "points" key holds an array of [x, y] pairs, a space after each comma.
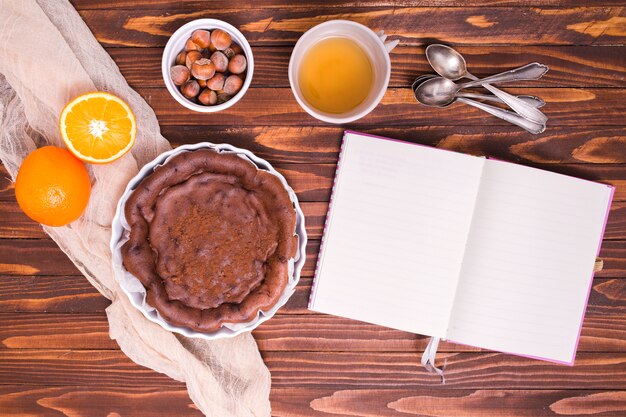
{"points": [[389, 45]]}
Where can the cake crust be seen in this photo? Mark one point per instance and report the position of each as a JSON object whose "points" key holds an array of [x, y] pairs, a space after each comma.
{"points": [[210, 239]]}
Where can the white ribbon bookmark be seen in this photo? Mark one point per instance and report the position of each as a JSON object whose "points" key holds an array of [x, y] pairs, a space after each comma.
{"points": [[428, 358]]}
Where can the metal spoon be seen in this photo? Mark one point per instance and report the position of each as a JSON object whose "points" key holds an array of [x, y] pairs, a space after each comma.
{"points": [[510, 117], [451, 65], [441, 92], [532, 100]]}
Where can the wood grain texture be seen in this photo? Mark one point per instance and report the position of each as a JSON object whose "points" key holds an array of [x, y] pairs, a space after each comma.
{"points": [[87, 401], [411, 25], [570, 66], [56, 358], [195, 5], [82, 401], [49, 293], [345, 370], [604, 329], [446, 403], [320, 144], [565, 107]]}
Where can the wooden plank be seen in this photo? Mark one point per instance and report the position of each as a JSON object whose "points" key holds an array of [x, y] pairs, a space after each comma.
{"points": [[566, 107], [20, 257], [22, 400], [316, 402], [463, 370], [412, 25], [34, 400], [60, 294], [570, 66], [15, 225], [30, 400], [34, 257], [35, 309], [347, 370], [321, 144], [42, 257], [604, 329], [76, 367], [192, 6]]}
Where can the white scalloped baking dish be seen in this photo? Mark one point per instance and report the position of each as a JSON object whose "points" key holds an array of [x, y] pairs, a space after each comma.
{"points": [[135, 290]]}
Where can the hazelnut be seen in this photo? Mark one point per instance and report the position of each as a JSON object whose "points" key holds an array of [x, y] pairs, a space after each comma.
{"points": [[180, 58], [222, 98], [190, 89], [192, 57], [212, 47], [220, 39], [237, 64], [232, 85], [201, 38], [216, 82], [208, 97], [236, 48], [229, 52], [179, 74], [202, 83], [203, 69], [192, 46], [220, 61]]}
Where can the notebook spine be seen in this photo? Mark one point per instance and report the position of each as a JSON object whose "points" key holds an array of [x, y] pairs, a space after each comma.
{"points": [[330, 204]]}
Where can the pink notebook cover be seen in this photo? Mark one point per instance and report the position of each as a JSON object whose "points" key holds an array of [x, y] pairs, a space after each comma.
{"points": [[312, 295]]}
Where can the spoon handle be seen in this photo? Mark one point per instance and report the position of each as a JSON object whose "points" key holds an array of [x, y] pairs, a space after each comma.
{"points": [[532, 71], [522, 108], [532, 127], [532, 100]]}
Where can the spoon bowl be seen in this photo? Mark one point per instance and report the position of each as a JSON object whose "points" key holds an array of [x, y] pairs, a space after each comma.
{"points": [[436, 92], [446, 61], [419, 80]]}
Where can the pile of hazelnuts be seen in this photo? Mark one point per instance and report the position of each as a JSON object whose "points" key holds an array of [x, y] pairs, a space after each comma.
{"points": [[211, 69]]}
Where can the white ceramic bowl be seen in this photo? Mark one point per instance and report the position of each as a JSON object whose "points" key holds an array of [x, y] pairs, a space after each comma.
{"points": [[136, 291], [176, 44], [372, 43]]}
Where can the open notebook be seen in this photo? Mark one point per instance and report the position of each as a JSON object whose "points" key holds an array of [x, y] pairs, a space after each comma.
{"points": [[477, 251]]}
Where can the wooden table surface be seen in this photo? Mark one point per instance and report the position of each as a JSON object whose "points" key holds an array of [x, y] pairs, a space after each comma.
{"points": [[55, 354]]}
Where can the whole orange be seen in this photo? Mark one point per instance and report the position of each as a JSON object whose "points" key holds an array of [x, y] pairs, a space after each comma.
{"points": [[52, 186]]}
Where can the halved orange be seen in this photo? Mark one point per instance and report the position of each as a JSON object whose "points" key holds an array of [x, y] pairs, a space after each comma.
{"points": [[98, 127]]}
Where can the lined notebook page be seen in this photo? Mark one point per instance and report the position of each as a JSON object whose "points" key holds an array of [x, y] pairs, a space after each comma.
{"points": [[395, 234], [529, 261]]}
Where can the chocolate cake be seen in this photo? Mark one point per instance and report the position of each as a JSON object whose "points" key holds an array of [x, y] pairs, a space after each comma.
{"points": [[210, 239]]}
